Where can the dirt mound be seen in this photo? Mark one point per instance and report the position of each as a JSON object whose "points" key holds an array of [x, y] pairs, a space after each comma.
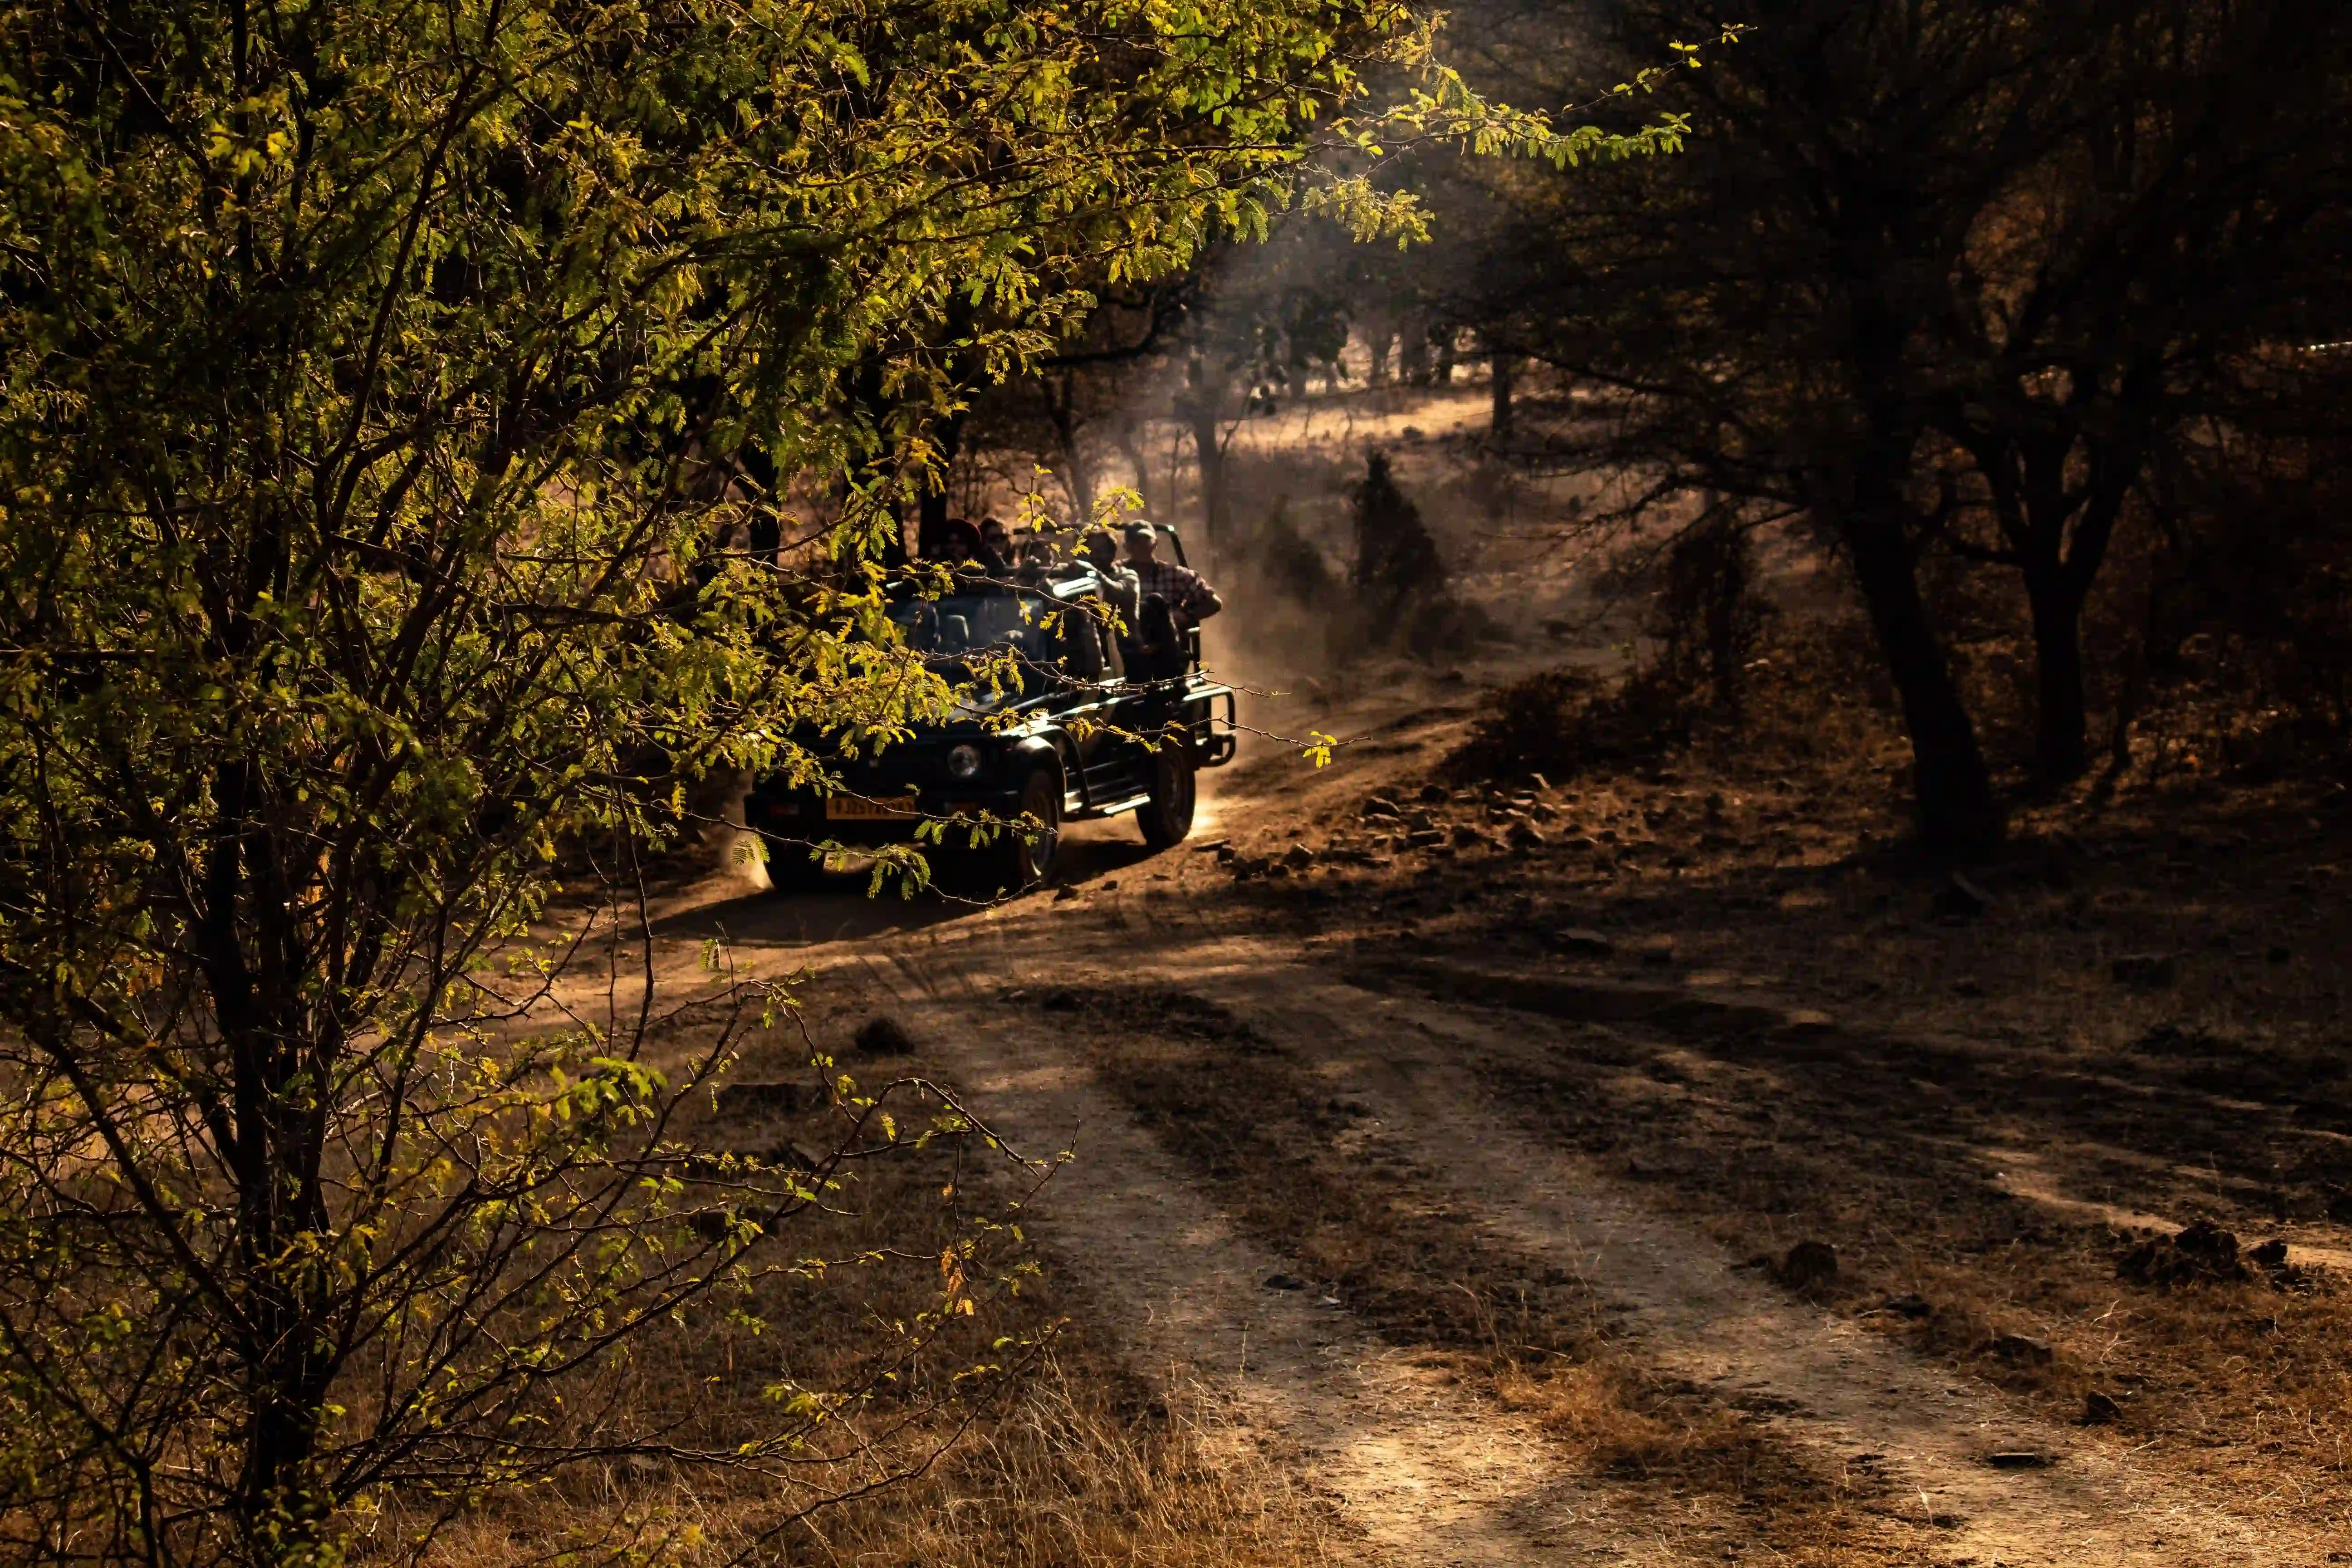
{"points": [[2203, 1254]]}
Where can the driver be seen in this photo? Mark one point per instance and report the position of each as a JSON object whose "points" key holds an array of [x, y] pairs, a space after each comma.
{"points": [[1174, 600], [997, 539], [964, 547]]}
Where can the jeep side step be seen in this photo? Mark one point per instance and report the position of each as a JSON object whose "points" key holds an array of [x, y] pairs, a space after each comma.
{"points": [[1080, 812]]}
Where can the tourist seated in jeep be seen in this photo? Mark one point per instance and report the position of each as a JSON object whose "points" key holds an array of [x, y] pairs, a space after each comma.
{"points": [[1173, 600], [966, 549], [997, 539]]}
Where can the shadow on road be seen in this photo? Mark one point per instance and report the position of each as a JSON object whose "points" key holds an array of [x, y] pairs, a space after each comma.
{"points": [[842, 911]]}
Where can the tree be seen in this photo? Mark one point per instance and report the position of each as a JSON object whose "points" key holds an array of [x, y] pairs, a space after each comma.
{"points": [[1933, 279], [366, 369], [2187, 211]]}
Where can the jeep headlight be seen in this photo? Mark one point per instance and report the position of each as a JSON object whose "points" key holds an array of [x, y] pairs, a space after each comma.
{"points": [[964, 761]]}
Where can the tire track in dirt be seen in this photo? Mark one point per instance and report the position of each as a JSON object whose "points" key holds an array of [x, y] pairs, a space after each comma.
{"points": [[1150, 1239], [1836, 1388], [1433, 1476]]}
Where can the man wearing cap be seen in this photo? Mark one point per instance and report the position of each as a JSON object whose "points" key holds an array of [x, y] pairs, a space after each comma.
{"points": [[1174, 600], [1121, 590]]}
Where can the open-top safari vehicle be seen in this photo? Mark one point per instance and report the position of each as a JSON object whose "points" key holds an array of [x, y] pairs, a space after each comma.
{"points": [[1068, 737]]}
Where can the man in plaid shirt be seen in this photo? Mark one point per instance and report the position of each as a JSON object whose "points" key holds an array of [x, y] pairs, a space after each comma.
{"points": [[1175, 599]]}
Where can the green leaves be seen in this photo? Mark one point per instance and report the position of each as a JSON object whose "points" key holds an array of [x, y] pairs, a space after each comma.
{"points": [[398, 411]]}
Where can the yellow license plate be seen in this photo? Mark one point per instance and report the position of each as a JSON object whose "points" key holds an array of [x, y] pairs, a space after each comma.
{"points": [[850, 809]]}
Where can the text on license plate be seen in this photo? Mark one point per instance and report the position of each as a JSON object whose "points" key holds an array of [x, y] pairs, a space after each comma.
{"points": [[851, 808]]}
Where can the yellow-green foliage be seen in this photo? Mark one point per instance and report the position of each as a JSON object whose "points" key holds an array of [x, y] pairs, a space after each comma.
{"points": [[386, 392]]}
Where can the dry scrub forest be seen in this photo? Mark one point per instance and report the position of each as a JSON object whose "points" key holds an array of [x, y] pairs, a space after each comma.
{"points": [[1762, 977]]}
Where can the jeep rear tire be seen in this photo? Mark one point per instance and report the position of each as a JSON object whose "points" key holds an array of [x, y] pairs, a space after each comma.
{"points": [[1167, 817]]}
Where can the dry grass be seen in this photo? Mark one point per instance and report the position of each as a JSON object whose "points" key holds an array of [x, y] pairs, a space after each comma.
{"points": [[1070, 1479], [1061, 1477], [1009, 1436]]}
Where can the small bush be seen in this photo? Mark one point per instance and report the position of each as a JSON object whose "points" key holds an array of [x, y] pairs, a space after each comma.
{"points": [[1709, 618], [1293, 565], [1396, 563]]}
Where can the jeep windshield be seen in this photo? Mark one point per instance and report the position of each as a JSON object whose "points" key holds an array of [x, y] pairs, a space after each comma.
{"points": [[965, 623]]}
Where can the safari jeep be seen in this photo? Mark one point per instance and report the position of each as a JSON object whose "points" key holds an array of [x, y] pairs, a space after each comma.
{"points": [[1072, 739]]}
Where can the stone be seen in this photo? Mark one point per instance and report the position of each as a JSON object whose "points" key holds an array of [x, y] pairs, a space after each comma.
{"points": [[2146, 971], [883, 1035], [1524, 835], [1434, 795], [1466, 837], [2101, 1409], [2018, 1459], [1425, 838], [1064, 894], [1421, 821], [1584, 943], [1285, 1282], [1914, 1306], [1299, 857], [1381, 806], [2024, 1349], [1658, 951]]}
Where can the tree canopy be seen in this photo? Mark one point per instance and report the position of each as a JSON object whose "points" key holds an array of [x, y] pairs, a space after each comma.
{"points": [[393, 395]]}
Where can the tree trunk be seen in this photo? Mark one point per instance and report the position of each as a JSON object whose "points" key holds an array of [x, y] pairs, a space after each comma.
{"points": [[1077, 477], [2058, 578], [931, 511], [1958, 817], [1203, 410], [1412, 350], [2061, 726], [1130, 447], [1444, 373], [1211, 451], [1501, 428]]}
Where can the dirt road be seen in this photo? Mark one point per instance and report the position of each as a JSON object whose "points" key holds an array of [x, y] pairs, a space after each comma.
{"points": [[1307, 1175]]}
